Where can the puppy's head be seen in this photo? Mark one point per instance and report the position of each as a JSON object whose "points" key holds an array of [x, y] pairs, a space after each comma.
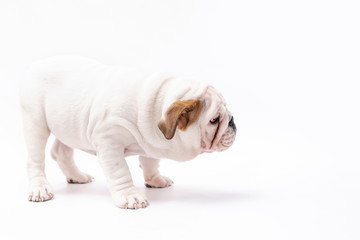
{"points": [[208, 112]]}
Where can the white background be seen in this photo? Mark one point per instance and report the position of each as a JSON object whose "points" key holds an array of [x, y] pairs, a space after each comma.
{"points": [[290, 73]]}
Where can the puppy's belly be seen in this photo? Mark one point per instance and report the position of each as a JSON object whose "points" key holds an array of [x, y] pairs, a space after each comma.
{"points": [[69, 124], [71, 133], [134, 149], [75, 142]]}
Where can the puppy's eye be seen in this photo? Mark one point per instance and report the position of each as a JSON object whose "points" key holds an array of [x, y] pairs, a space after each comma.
{"points": [[214, 120]]}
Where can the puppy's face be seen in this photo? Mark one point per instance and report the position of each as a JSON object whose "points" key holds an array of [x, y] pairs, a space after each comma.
{"points": [[208, 112], [217, 125]]}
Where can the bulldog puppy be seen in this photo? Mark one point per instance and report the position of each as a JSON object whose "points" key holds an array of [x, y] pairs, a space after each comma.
{"points": [[113, 112]]}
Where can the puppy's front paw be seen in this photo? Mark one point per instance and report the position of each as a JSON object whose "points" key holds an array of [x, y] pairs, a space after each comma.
{"points": [[158, 181], [130, 198], [40, 191]]}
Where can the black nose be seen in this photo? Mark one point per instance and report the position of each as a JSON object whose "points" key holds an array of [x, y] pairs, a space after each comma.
{"points": [[232, 124]]}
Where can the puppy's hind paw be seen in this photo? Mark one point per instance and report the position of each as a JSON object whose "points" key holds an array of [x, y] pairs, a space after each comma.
{"points": [[40, 192]]}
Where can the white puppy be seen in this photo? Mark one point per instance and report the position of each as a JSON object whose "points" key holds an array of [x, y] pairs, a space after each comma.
{"points": [[112, 113]]}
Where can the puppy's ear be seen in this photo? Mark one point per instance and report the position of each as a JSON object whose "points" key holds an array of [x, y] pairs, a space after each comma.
{"points": [[181, 114]]}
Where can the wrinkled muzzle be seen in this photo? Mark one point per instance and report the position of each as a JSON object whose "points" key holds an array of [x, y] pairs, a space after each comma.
{"points": [[225, 136], [227, 139]]}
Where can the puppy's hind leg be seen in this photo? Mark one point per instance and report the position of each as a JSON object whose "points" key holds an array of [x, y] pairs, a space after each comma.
{"points": [[64, 156], [36, 134]]}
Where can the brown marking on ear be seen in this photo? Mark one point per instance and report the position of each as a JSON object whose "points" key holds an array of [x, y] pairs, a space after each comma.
{"points": [[180, 114]]}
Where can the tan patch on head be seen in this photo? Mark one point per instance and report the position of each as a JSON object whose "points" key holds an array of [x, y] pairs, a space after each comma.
{"points": [[181, 114]]}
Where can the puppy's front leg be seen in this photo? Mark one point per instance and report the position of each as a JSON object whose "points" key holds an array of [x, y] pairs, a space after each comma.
{"points": [[124, 193], [152, 175]]}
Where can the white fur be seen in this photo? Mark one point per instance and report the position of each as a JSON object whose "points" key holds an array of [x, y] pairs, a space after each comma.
{"points": [[111, 112]]}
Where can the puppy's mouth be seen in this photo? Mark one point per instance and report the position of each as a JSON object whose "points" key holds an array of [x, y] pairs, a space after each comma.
{"points": [[227, 139]]}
